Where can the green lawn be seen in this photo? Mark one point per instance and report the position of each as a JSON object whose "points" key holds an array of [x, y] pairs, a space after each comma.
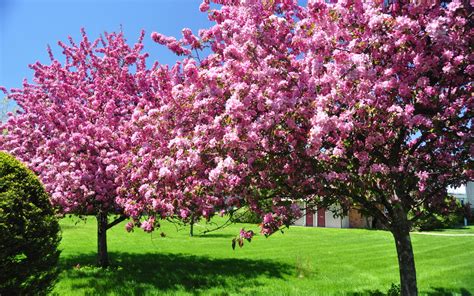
{"points": [[302, 261]]}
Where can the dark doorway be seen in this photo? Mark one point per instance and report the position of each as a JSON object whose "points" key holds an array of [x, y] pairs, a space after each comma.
{"points": [[309, 218], [322, 217]]}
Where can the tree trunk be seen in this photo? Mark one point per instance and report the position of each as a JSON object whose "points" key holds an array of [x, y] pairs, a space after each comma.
{"points": [[191, 231], [102, 255], [406, 261]]}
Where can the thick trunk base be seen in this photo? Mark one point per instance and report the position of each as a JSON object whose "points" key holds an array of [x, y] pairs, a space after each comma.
{"points": [[102, 254], [406, 262]]}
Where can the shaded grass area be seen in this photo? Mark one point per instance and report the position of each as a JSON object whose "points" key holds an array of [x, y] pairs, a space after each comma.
{"points": [[302, 261], [140, 274]]}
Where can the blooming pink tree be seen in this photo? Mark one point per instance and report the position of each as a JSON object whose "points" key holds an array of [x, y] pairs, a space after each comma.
{"points": [[354, 103], [72, 127], [392, 121]]}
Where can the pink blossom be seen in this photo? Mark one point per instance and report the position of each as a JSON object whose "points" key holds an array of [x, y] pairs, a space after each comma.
{"points": [[110, 169], [129, 226], [268, 218], [246, 234], [214, 174], [148, 225], [184, 213], [379, 168], [204, 6], [164, 172]]}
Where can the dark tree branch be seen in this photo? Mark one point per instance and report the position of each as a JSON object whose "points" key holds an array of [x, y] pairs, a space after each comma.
{"points": [[116, 221], [225, 224]]}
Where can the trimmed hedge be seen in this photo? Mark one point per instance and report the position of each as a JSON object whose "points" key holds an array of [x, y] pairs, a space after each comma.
{"points": [[29, 232]]}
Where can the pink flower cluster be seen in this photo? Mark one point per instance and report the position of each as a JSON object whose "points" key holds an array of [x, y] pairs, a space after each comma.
{"points": [[246, 234]]}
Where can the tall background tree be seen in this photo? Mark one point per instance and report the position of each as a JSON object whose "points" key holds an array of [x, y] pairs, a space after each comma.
{"points": [[393, 124], [71, 127], [349, 104]]}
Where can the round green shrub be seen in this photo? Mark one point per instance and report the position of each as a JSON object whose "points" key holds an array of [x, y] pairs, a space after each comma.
{"points": [[29, 232]]}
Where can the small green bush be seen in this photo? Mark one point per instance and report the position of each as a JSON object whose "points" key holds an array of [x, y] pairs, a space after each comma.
{"points": [[29, 232], [394, 290], [434, 222], [452, 219]]}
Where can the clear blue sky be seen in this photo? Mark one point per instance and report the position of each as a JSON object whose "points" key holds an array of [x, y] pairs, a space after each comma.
{"points": [[27, 26]]}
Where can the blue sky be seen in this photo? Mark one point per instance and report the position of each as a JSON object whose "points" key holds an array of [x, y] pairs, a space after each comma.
{"points": [[27, 26]]}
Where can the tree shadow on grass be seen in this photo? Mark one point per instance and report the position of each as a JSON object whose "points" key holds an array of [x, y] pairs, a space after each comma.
{"points": [[139, 274], [368, 293], [448, 292], [214, 235], [433, 292]]}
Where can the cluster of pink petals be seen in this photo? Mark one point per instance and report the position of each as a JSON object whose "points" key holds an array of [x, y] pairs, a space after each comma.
{"points": [[246, 234], [170, 42]]}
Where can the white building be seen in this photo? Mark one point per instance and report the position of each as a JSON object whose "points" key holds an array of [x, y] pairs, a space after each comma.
{"points": [[470, 193], [325, 218], [465, 193]]}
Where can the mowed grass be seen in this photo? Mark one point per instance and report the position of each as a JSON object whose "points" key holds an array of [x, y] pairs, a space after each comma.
{"points": [[302, 261]]}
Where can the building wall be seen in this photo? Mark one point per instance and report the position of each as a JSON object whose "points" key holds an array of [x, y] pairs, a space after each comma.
{"points": [[335, 222], [470, 193], [301, 221], [357, 220], [464, 194], [329, 219]]}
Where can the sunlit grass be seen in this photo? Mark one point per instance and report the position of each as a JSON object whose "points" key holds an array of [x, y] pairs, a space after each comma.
{"points": [[302, 261]]}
